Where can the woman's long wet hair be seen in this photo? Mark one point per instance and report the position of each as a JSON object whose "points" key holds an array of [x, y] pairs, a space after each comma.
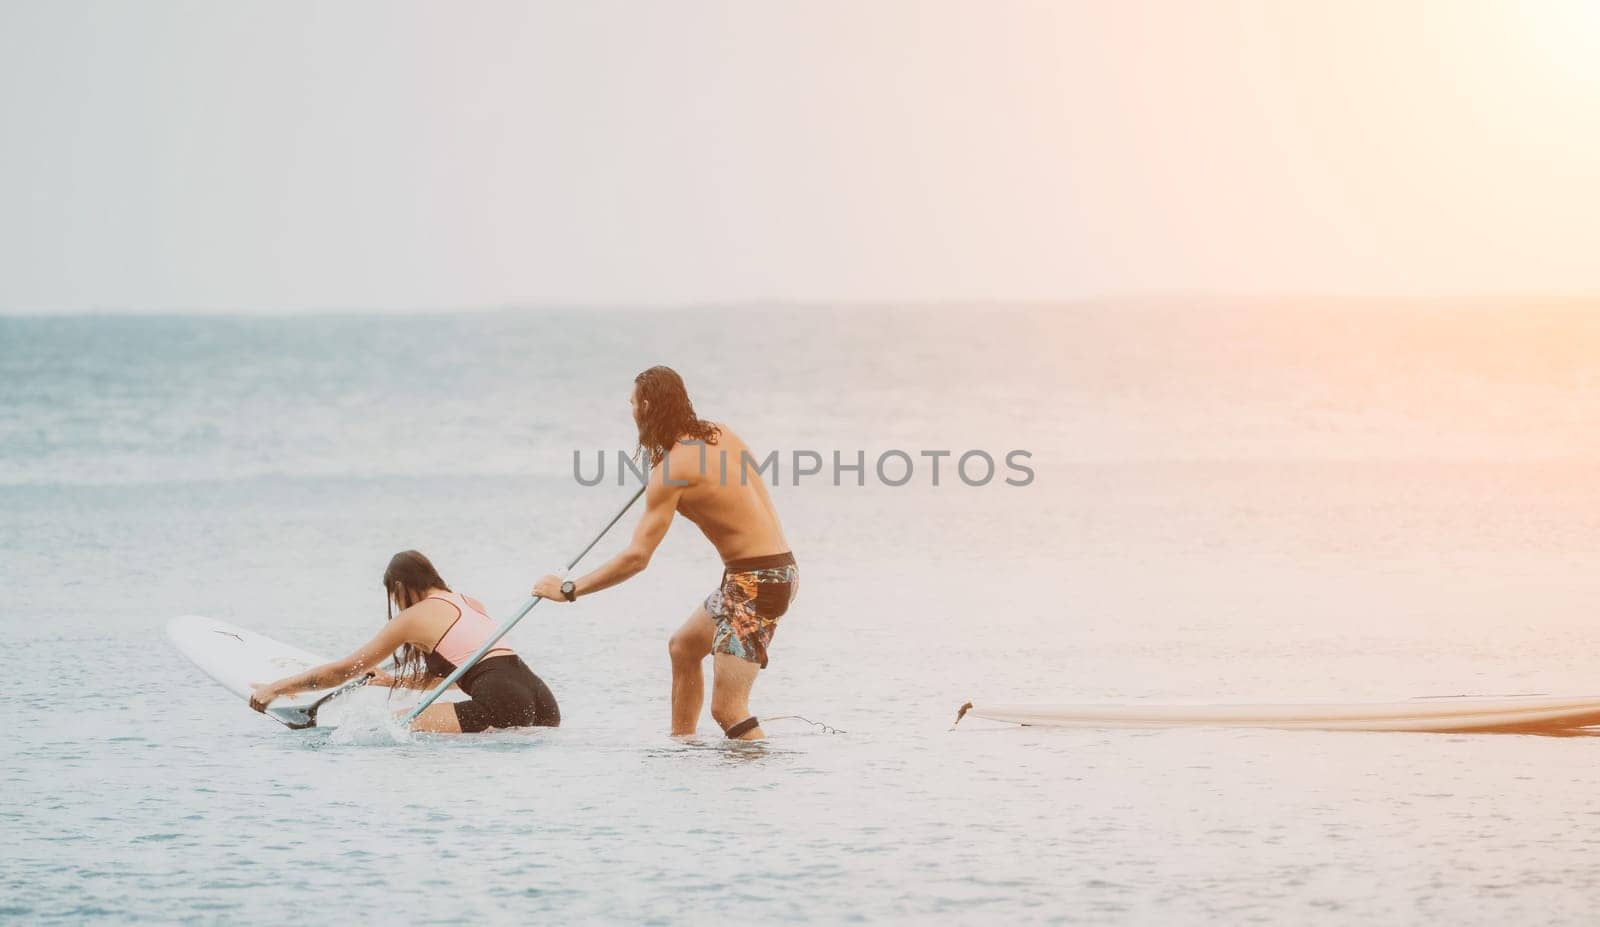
{"points": [[665, 415], [407, 580]]}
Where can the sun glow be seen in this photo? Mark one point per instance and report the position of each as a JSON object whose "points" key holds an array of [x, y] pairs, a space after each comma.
{"points": [[1566, 35]]}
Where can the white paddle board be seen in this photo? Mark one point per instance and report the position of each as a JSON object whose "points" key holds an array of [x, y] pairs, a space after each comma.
{"points": [[1514, 713], [234, 658]]}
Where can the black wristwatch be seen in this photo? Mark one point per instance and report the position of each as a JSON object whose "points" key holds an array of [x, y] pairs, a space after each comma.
{"points": [[569, 591]]}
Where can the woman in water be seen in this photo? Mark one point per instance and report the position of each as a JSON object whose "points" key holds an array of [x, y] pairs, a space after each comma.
{"points": [[435, 631]]}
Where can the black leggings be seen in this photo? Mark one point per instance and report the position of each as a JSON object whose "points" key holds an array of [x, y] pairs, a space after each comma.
{"points": [[505, 693]]}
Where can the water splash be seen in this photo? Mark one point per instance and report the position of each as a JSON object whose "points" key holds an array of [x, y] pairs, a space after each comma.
{"points": [[367, 717]]}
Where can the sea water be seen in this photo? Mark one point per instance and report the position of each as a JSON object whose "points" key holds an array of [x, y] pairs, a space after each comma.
{"points": [[1226, 502]]}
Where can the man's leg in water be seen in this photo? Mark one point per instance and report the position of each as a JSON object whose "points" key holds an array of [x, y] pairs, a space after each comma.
{"points": [[731, 680], [688, 648]]}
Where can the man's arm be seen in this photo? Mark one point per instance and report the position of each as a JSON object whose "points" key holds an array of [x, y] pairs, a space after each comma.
{"points": [[660, 504]]}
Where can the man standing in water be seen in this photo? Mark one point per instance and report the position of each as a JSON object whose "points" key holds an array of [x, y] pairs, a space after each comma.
{"points": [[759, 579]]}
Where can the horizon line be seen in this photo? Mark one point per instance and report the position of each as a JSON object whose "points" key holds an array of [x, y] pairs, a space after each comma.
{"points": [[1132, 299]]}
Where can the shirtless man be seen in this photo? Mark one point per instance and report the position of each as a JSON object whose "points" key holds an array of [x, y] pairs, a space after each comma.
{"points": [[699, 468]]}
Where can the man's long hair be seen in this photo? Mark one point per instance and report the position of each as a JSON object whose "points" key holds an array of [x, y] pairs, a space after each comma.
{"points": [[665, 415]]}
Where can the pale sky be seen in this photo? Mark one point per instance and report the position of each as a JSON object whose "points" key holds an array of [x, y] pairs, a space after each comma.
{"points": [[267, 156]]}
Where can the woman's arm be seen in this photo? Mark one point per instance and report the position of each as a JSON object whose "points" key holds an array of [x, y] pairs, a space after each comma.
{"points": [[332, 674]]}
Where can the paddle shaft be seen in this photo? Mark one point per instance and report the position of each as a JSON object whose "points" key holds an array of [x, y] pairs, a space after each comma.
{"points": [[526, 607]]}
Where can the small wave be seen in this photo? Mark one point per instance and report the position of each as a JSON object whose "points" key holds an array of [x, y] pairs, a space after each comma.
{"points": [[370, 723]]}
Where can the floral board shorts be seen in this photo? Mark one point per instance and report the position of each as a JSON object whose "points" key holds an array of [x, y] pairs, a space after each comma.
{"points": [[754, 594]]}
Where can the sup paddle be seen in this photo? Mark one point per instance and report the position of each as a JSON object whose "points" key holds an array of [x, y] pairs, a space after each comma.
{"points": [[527, 607]]}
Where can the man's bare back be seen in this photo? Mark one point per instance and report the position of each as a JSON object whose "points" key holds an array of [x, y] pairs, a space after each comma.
{"points": [[725, 496]]}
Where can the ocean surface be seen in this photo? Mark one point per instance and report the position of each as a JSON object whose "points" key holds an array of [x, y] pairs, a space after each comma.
{"points": [[1228, 501]]}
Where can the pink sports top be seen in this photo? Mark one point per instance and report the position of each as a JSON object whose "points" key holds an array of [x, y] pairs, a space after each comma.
{"points": [[470, 629]]}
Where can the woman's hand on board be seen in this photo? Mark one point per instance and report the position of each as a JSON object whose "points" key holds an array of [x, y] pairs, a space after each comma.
{"points": [[262, 696]]}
